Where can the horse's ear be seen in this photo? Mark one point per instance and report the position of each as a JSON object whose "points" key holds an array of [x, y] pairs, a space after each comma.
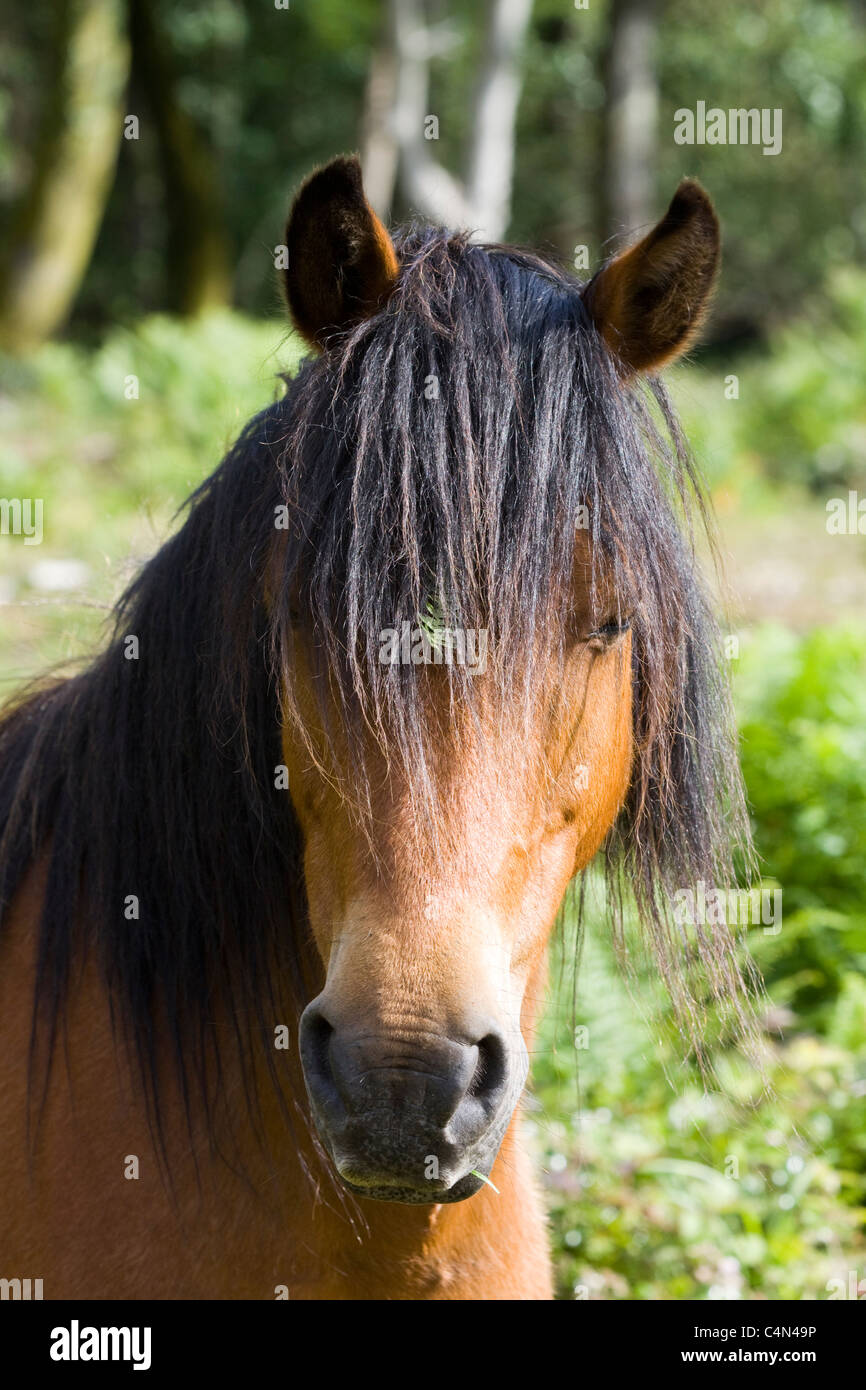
{"points": [[342, 264], [649, 302]]}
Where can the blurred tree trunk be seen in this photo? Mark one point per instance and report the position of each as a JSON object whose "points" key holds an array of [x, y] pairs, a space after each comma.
{"points": [[482, 200], [52, 237], [198, 254], [490, 165], [379, 153], [630, 139]]}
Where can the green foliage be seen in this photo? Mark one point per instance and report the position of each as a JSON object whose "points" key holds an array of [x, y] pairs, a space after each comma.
{"points": [[111, 467], [670, 1190], [785, 218], [805, 405], [661, 1186], [803, 728], [798, 418], [148, 414]]}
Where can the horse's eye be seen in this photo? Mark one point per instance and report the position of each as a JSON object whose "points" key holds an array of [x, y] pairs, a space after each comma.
{"points": [[608, 632]]}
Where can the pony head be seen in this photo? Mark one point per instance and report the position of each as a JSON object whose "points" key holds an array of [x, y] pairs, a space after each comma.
{"points": [[494, 654]]}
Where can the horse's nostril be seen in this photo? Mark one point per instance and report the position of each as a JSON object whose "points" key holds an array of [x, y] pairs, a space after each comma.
{"points": [[316, 1034], [490, 1068], [319, 1033]]}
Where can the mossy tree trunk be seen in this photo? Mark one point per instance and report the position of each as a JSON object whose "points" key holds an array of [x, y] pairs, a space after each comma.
{"points": [[198, 256], [51, 238]]}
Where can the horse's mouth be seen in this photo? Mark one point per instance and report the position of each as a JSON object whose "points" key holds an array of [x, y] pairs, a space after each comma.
{"points": [[390, 1167], [431, 1194]]}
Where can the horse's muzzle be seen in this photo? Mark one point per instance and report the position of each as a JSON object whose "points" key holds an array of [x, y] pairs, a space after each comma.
{"points": [[409, 1118]]}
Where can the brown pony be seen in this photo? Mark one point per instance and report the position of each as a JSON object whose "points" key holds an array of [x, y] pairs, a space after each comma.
{"points": [[279, 869]]}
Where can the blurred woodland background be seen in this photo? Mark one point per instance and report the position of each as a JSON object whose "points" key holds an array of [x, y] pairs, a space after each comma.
{"points": [[148, 150]]}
